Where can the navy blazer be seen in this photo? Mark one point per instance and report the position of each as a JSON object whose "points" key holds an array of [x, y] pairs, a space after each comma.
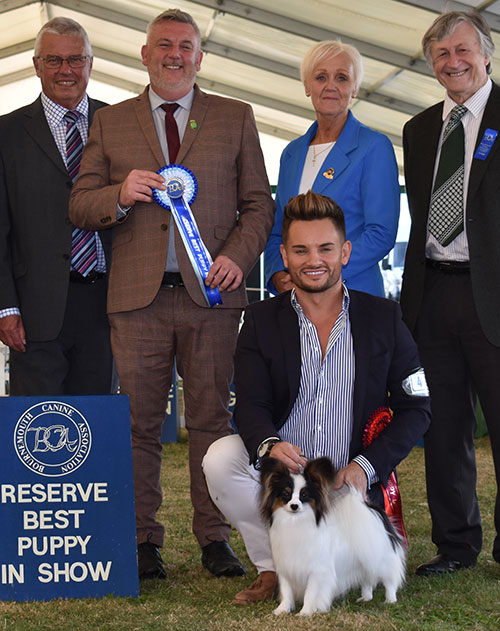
{"points": [[360, 173], [268, 367], [420, 141], [35, 230]]}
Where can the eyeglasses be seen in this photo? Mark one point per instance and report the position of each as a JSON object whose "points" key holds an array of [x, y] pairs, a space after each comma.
{"points": [[75, 61]]}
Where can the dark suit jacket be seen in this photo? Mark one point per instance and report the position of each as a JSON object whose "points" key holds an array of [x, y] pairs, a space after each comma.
{"points": [[420, 142], [233, 208], [35, 230], [267, 376]]}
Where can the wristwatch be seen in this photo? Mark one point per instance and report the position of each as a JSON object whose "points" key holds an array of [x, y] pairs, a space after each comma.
{"points": [[266, 446]]}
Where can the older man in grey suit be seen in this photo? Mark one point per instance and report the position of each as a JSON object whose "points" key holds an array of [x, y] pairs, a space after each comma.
{"points": [[52, 291], [451, 287], [157, 307]]}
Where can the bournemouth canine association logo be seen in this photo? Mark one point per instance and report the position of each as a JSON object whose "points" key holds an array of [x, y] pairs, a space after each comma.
{"points": [[52, 438]]}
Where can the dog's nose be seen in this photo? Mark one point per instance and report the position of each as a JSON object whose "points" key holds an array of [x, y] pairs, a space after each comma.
{"points": [[294, 507]]}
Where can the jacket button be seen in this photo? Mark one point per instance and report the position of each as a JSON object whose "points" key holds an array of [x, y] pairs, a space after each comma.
{"points": [[164, 226]]}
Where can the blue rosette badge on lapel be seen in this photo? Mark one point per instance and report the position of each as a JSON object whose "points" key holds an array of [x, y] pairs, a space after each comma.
{"points": [[181, 189]]}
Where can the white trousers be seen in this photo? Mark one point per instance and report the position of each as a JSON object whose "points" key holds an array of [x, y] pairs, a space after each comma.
{"points": [[234, 487]]}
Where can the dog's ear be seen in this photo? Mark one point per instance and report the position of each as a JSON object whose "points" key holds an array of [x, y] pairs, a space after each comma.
{"points": [[320, 471], [271, 472], [271, 466]]}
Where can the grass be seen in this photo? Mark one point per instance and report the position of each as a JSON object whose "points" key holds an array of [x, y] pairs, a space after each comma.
{"points": [[191, 600]]}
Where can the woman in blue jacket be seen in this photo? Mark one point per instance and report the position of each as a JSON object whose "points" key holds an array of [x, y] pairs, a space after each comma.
{"points": [[340, 157]]}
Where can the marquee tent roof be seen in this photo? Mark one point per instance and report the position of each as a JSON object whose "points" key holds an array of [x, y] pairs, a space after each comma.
{"points": [[252, 50]]}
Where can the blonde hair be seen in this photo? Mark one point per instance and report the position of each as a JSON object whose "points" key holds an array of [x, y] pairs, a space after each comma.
{"points": [[331, 48]]}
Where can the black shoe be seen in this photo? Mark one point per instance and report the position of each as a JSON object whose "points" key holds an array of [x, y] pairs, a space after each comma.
{"points": [[441, 564], [150, 561], [219, 559]]}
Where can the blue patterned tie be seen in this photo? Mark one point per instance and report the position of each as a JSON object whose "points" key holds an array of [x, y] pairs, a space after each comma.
{"points": [[83, 246]]}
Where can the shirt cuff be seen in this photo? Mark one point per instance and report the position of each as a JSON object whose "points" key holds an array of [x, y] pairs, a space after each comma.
{"points": [[371, 474], [122, 212], [10, 311]]}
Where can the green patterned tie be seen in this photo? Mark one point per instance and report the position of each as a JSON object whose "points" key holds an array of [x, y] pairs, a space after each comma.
{"points": [[446, 214]]}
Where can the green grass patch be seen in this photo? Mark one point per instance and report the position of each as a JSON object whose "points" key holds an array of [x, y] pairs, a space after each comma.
{"points": [[191, 600]]}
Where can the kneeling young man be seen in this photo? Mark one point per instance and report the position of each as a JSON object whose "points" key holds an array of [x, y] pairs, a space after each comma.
{"points": [[311, 366]]}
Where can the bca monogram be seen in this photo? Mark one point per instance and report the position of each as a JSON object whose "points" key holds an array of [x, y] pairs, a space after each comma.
{"points": [[53, 438]]}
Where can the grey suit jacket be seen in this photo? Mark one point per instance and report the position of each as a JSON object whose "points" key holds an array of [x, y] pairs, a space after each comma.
{"points": [[420, 142], [35, 230]]}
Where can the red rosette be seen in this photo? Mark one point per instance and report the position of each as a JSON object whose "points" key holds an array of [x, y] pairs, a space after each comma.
{"points": [[377, 422]]}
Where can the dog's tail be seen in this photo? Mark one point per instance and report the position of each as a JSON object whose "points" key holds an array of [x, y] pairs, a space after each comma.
{"points": [[395, 538]]}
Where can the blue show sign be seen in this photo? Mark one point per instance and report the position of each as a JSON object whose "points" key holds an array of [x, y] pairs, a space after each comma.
{"points": [[66, 498]]}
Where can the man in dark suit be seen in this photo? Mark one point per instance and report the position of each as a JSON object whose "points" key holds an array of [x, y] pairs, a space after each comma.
{"points": [[52, 316], [158, 307], [311, 367], [451, 286]]}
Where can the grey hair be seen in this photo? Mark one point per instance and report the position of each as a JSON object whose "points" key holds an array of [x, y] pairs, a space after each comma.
{"points": [[63, 26], [330, 48], [446, 23], [174, 15]]}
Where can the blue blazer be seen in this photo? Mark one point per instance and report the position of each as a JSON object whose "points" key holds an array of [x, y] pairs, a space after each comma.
{"points": [[364, 184]]}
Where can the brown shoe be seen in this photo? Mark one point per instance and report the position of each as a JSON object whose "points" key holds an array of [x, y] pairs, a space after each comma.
{"points": [[261, 589]]}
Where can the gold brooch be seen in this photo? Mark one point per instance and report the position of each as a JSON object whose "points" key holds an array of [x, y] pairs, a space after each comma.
{"points": [[329, 174]]}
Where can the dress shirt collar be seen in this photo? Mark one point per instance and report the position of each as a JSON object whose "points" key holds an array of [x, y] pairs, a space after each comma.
{"points": [[156, 101], [298, 309], [55, 112], [475, 104]]}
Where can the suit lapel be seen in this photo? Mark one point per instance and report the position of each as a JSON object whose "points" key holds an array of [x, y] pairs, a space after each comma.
{"points": [[197, 118], [37, 127], [360, 331], [144, 115], [290, 341], [490, 120], [337, 159]]}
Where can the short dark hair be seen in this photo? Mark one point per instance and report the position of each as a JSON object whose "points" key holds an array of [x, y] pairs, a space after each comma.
{"points": [[310, 206], [174, 15], [446, 23]]}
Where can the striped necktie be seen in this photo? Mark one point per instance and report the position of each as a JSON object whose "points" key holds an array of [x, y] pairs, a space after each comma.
{"points": [[446, 214], [83, 245]]}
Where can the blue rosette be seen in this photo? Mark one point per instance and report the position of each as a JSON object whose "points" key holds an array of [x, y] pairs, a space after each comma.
{"points": [[180, 181], [180, 191]]}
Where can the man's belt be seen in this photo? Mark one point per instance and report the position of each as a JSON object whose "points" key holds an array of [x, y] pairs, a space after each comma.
{"points": [[90, 279], [172, 279], [449, 267]]}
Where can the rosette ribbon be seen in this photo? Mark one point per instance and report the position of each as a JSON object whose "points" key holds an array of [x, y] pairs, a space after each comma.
{"points": [[377, 422], [181, 190]]}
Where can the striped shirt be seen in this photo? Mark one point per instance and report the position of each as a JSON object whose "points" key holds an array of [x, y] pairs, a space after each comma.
{"points": [[458, 249], [321, 419]]}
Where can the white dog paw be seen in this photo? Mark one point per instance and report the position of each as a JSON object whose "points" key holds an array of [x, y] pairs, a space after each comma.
{"points": [[366, 595], [281, 610]]}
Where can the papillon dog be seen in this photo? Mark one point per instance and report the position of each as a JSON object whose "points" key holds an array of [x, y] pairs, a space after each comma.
{"points": [[325, 542]]}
